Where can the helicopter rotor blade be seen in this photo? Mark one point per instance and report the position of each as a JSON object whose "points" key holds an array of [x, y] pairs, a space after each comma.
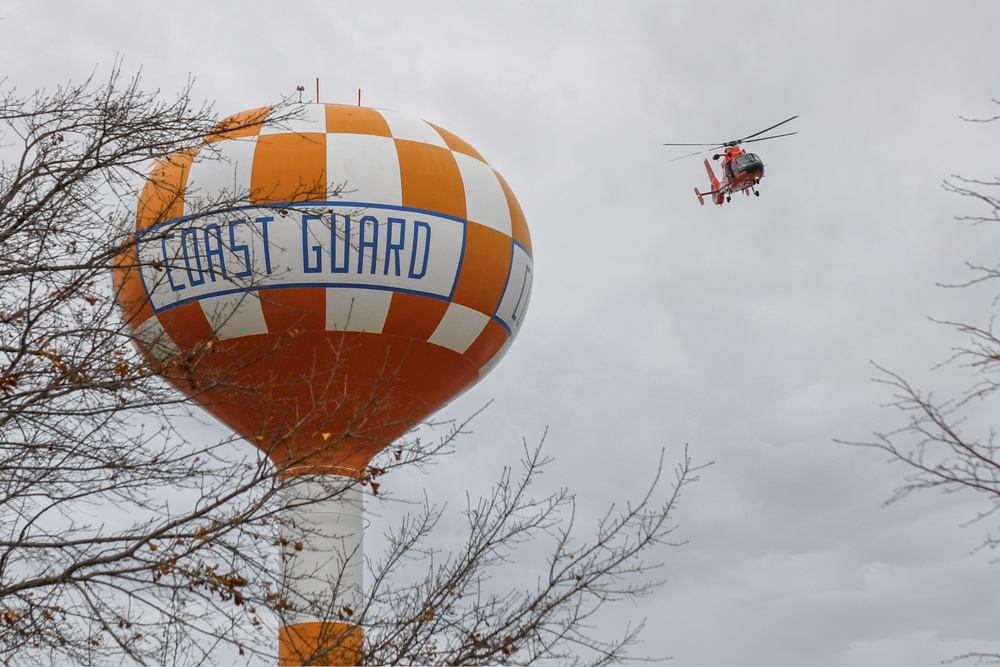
{"points": [[684, 156], [736, 142], [716, 144], [773, 136], [757, 134]]}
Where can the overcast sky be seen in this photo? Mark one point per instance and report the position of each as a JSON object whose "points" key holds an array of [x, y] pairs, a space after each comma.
{"points": [[744, 331]]}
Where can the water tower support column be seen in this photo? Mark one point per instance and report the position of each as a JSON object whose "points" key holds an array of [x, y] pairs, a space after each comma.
{"points": [[323, 552]]}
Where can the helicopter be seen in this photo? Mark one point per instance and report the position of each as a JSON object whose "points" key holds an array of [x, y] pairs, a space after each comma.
{"points": [[740, 170]]}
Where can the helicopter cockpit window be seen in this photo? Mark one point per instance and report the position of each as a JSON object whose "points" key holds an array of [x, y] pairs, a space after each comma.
{"points": [[749, 162]]}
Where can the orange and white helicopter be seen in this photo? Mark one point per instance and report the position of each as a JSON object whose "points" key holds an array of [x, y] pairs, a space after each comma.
{"points": [[740, 170]]}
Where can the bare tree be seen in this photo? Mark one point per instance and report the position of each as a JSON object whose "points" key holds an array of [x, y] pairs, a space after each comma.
{"points": [[942, 442], [938, 442], [124, 538]]}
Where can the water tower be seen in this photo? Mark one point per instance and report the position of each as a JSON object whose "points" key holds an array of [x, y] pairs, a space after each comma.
{"points": [[321, 284]]}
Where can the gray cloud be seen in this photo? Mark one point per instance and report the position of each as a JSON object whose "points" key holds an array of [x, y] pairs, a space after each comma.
{"points": [[745, 331]]}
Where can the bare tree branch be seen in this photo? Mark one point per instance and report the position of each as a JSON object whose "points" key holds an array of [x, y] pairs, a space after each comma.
{"points": [[938, 445]]}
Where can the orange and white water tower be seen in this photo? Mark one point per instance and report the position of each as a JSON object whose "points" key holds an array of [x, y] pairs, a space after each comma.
{"points": [[321, 285]]}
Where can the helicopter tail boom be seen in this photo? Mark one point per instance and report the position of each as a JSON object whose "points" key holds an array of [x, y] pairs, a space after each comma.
{"points": [[716, 186]]}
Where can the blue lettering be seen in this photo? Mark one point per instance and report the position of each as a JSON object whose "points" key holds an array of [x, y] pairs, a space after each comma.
{"points": [[166, 262], [193, 234], [393, 249], [213, 230], [382, 248], [368, 222], [316, 250], [415, 273], [239, 248], [344, 233], [267, 245], [522, 297]]}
